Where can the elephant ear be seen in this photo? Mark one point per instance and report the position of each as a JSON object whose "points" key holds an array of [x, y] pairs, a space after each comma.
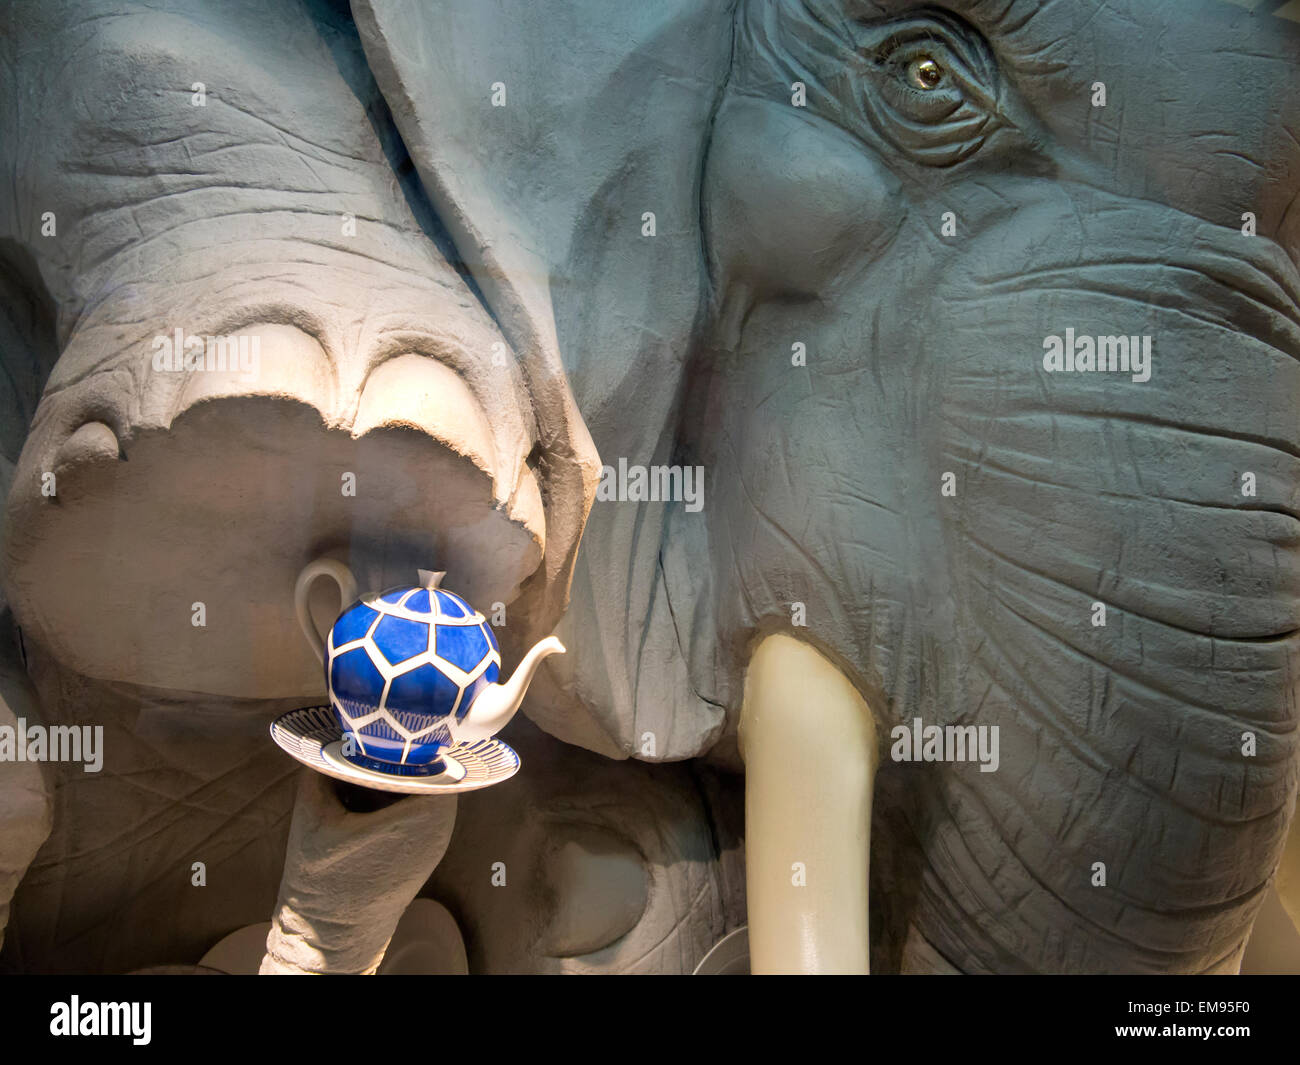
{"points": [[561, 145]]}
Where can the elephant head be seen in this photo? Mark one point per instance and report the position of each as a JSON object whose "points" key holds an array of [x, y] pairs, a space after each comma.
{"points": [[981, 319], [1094, 558], [906, 213]]}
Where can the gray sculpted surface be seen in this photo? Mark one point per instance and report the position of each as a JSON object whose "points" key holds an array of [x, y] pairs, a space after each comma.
{"points": [[981, 321]]}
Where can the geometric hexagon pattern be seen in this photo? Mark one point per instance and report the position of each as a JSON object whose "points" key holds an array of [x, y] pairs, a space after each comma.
{"points": [[404, 667]]}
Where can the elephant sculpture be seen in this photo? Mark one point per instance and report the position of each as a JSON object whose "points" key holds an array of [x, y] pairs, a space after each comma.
{"points": [[891, 406]]}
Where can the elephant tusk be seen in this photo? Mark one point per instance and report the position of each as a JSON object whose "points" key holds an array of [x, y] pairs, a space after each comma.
{"points": [[1288, 872], [810, 750]]}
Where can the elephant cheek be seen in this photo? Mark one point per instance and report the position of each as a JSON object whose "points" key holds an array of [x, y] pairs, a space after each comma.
{"points": [[792, 205], [1128, 612]]}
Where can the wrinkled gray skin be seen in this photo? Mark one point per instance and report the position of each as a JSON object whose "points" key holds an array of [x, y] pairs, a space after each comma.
{"points": [[1120, 744], [775, 225]]}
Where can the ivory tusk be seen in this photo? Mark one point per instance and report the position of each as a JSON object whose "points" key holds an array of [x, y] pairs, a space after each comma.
{"points": [[1288, 873], [809, 745]]}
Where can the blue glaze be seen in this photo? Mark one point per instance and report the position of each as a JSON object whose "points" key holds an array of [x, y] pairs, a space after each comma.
{"points": [[398, 696]]}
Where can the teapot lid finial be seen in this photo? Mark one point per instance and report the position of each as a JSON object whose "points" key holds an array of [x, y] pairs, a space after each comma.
{"points": [[431, 578]]}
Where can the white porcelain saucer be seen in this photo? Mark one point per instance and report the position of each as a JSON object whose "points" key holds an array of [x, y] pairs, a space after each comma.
{"points": [[311, 736]]}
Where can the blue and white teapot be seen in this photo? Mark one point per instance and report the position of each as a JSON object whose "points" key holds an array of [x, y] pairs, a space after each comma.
{"points": [[412, 671]]}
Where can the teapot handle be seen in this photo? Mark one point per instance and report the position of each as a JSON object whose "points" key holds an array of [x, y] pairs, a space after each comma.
{"points": [[341, 575]]}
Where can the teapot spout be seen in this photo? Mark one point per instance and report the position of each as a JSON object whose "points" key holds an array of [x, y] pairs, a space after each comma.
{"points": [[497, 703]]}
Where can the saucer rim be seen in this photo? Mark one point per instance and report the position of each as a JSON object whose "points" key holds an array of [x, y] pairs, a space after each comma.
{"points": [[303, 739], [333, 754]]}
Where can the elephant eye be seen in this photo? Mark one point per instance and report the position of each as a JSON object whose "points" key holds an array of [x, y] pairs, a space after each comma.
{"points": [[924, 73], [931, 88]]}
